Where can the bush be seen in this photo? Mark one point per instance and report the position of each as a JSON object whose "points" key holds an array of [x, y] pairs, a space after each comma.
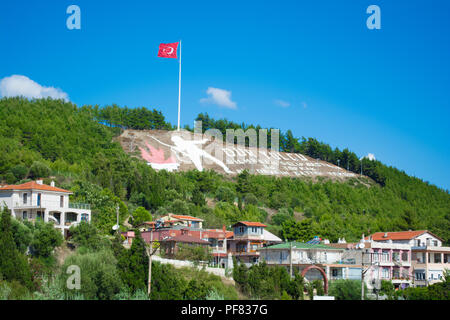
{"points": [[100, 277], [20, 172], [225, 194], [140, 215], [39, 170], [87, 235], [193, 253], [250, 198], [346, 289], [46, 239]]}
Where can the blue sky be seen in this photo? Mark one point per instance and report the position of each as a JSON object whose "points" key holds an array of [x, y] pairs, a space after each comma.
{"points": [[309, 66]]}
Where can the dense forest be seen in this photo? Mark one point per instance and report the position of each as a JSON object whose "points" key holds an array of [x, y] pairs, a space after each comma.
{"points": [[75, 146]]}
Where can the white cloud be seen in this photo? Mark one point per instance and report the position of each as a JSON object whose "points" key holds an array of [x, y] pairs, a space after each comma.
{"points": [[282, 103], [17, 85], [219, 97], [369, 156]]}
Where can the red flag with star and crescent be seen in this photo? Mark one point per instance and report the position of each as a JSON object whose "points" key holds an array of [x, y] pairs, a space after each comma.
{"points": [[168, 50]]}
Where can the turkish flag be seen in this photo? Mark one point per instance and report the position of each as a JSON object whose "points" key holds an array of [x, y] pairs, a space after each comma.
{"points": [[168, 50]]}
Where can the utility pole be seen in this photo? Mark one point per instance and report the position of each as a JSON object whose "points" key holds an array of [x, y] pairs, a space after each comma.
{"points": [[117, 213], [150, 254], [362, 274], [150, 264]]}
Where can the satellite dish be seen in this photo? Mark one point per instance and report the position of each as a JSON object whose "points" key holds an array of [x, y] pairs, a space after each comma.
{"points": [[361, 245], [115, 227]]}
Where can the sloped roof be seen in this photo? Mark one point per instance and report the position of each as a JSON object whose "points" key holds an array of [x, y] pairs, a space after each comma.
{"points": [[33, 185], [301, 245], [217, 234], [399, 235], [269, 236], [251, 224], [181, 217]]}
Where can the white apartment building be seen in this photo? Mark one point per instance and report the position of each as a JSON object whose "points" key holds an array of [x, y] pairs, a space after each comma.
{"points": [[35, 200]]}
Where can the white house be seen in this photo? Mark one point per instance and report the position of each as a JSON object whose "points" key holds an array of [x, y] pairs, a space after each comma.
{"points": [[33, 200]]}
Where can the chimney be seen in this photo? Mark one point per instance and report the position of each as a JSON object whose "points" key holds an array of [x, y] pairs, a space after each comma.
{"points": [[52, 184], [224, 229], [39, 181], [385, 235]]}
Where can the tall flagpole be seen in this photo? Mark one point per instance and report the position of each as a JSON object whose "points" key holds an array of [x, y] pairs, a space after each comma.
{"points": [[179, 91]]}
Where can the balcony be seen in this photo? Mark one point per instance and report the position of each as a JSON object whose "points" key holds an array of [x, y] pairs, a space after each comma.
{"points": [[28, 205], [247, 236], [82, 206]]}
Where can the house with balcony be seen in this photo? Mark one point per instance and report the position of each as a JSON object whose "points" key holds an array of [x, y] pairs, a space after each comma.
{"points": [[36, 200], [247, 238], [385, 256], [303, 255], [430, 258]]}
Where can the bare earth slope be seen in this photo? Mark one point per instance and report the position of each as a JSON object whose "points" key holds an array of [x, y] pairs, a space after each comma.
{"points": [[181, 151]]}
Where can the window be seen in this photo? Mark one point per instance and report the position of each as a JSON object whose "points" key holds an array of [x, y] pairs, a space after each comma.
{"points": [[396, 273], [24, 215], [446, 256], [437, 258], [396, 256], [40, 215], [39, 199], [420, 275], [385, 273], [435, 243], [25, 198], [84, 217], [61, 201], [334, 272], [254, 230], [405, 256]]}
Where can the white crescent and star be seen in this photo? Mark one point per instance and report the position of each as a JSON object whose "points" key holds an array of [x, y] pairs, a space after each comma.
{"points": [[168, 52]]}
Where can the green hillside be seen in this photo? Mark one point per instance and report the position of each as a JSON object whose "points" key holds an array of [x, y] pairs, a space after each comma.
{"points": [[50, 138]]}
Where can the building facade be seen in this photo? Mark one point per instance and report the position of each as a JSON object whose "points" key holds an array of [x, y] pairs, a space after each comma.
{"points": [[301, 255], [247, 238]]}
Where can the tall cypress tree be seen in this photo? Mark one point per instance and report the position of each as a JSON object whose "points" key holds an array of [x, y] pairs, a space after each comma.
{"points": [[13, 264], [134, 264]]}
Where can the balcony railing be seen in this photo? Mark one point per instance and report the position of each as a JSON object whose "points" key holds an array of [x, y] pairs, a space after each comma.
{"points": [[78, 205]]}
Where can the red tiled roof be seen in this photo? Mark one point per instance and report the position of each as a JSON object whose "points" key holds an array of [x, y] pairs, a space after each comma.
{"points": [[33, 185], [251, 224], [180, 217], [217, 234], [400, 235]]}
